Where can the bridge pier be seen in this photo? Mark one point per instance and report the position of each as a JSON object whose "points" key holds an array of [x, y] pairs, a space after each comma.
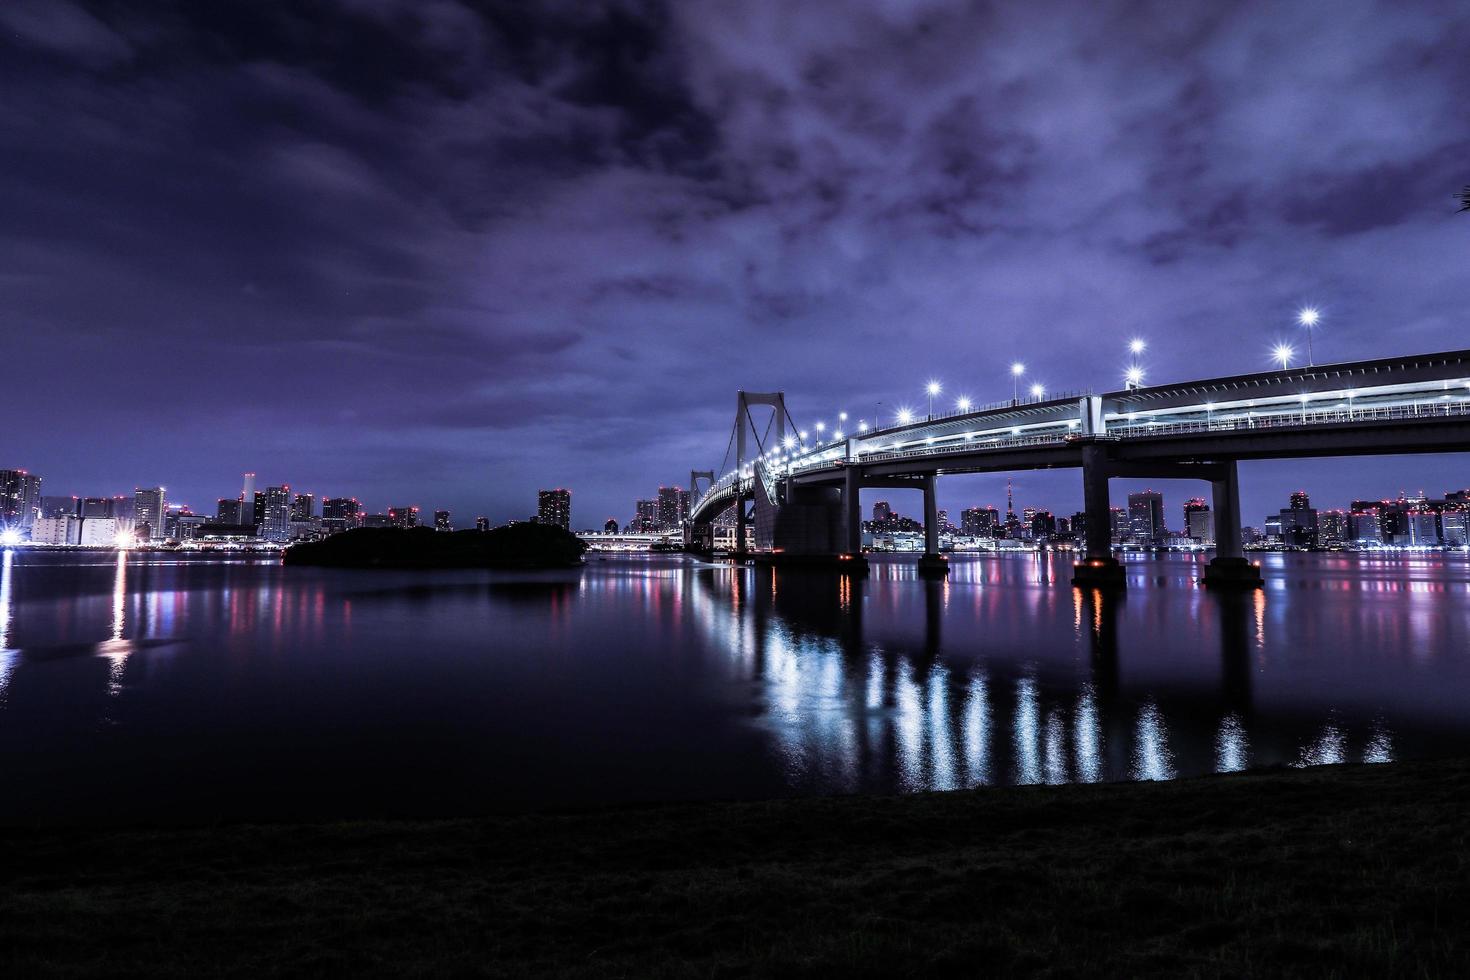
{"points": [[1229, 569], [932, 562], [852, 523], [1098, 569]]}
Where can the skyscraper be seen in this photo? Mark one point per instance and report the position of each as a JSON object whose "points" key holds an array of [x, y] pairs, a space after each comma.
{"points": [[227, 511], [441, 521], [555, 507], [344, 509], [303, 507], [1299, 522], [277, 523], [247, 500], [403, 516], [673, 507], [1199, 523], [979, 522], [149, 507], [645, 516], [881, 512], [482, 524], [1146, 517], [20, 499]]}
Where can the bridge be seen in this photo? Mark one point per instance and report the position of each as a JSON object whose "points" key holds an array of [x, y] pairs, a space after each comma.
{"points": [[801, 494]]}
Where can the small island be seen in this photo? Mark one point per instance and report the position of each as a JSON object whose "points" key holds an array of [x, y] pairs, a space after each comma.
{"points": [[511, 546]]}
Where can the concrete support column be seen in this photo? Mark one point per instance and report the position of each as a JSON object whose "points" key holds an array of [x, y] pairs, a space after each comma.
{"points": [[932, 562], [1229, 569], [1095, 502], [1226, 505], [931, 516], [740, 525], [1099, 568], [852, 509]]}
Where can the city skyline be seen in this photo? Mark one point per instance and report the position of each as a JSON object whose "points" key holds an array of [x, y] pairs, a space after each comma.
{"points": [[476, 274]]}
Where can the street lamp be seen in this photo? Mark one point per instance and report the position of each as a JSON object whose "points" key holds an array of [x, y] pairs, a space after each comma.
{"points": [[1282, 353], [905, 416], [1017, 369], [963, 403], [1133, 378], [1136, 346], [1308, 316], [933, 388], [1037, 390], [820, 427]]}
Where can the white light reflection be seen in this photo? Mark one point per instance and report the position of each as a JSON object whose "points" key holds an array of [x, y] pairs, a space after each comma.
{"points": [[1088, 737], [117, 649], [1151, 756], [7, 657], [977, 731], [1026, 733], [909, 729], [1232, 745], [1056, 749], [941, 740], [1380, 744], [1329, 749]]}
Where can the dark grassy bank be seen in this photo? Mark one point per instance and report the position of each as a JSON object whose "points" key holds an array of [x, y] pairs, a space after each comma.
{"points": [[512, 546], [1346, 871]]}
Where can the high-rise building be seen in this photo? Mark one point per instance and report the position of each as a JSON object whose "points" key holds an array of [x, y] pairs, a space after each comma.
{"points": [[276, 524], [248, 502], [441, 521], [1042, 525], [482, 524], [1423, 528], [673, 508], [1454, 527], [403, 516], [979, 522], [1363, 522], [1332, 529], [149, 508], [344, 509], [611, 526], [1146, 517], [1199, 523], [20, 499], [227, 511], [303, 507], [555, 507], [1299, 522], [645, 516], [1118, 518], [98, 507], [881, 512]]}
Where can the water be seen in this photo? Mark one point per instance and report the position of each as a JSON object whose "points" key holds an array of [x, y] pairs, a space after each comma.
{"points": [[153, 687]]}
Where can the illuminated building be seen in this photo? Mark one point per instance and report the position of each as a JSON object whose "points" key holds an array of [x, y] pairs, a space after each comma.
{"points": [[303, 507], [403, 516], [1199, 523], [441, 521], [482, 524], [20, 499], [276, 525], [1146, 517], [149, 509], [344, 509], [555, 507]]}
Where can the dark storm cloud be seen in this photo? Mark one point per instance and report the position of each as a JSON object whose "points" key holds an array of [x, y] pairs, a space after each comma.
{"points": [[449, 251]]}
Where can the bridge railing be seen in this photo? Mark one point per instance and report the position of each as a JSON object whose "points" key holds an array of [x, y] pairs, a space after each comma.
{"points": [[1136, 428]]}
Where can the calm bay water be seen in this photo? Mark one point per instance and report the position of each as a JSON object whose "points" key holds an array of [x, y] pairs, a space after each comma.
{"points": [[154, 687]]}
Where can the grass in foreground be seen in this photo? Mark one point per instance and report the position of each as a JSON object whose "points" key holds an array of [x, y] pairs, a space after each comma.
{"points": [[1347, 871]]}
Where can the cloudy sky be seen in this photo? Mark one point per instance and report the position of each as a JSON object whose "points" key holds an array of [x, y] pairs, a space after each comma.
{"points": [[449, 252]]}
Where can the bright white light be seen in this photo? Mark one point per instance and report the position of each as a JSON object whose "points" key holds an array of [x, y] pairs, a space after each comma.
{"points": [[1018, 369], [842, 416], [802, 433], [9, 537], [862, 427], [837, 434], [821, 426], [963, 404], [905, 416], [1134, 375], [1136, 345], [1037, 391], [934, 388], [1308, 316], [1282, 353], [789, 442], [124, 539]]}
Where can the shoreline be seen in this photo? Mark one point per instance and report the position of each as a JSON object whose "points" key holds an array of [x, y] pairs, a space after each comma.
{"points": [[1336, 869]]}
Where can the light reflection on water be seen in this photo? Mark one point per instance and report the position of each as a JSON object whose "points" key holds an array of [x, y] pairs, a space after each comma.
{"points": [[638, 679]]}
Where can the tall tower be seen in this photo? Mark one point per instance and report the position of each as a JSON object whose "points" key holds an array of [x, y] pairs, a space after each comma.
{"points": [[1010, 502], [247, 500]]}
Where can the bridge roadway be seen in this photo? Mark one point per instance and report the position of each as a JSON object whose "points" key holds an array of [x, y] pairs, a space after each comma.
{"points": [[1196, 429]]}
